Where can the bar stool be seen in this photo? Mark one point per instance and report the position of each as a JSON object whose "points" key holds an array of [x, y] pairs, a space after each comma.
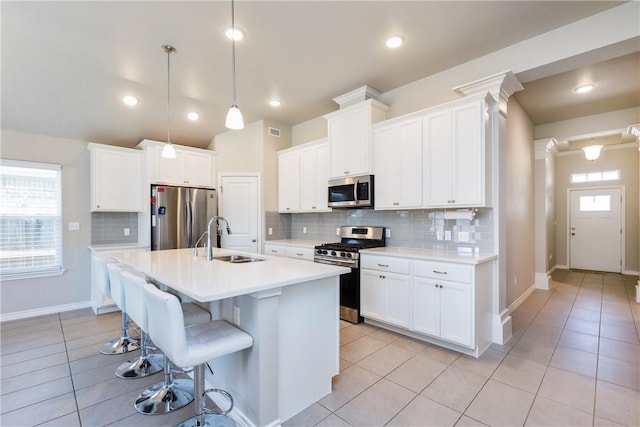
{"points": [[147, 364], [171, 393], [193, 346], [125, 343]]}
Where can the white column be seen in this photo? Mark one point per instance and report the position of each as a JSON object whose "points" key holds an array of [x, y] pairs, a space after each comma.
{"points": [[501, 86], [544, 216], [635, 130]]}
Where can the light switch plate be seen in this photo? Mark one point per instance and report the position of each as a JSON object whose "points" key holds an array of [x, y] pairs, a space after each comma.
{"points": [[447, 235], [337, 231], [127, 232], [463, 236], [388, 232], [270, 231], [74, 226], [304, 230]]}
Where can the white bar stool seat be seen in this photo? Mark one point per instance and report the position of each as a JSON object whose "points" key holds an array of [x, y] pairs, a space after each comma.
{"points": [[192, 346], [171, 394], [125, 343], [147, 364]]}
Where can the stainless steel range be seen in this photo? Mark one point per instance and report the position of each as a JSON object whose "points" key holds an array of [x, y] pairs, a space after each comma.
{"points": [[346, 254]]}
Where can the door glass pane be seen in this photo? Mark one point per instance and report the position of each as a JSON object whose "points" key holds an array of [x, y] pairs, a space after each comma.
{"points": [[611, 175], [595, 203], [578, 177]]}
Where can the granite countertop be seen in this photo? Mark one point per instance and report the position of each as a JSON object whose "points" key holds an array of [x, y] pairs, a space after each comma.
{"points": [[204, 280], [432, 255]]}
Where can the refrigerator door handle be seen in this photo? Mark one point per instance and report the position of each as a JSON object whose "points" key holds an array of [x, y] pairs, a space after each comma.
{"points": [[189, 218]]}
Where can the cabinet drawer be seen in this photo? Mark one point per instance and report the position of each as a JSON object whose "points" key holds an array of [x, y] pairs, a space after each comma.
{"points": [[394, 265], [300, 253], [443, 270], [274, 250]]}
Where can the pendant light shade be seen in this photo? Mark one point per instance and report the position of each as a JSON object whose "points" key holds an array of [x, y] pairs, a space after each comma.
{"points": [[592, 152], [234, 116], [168, 152]]}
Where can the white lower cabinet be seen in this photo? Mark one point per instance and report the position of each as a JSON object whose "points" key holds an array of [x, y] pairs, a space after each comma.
{"points": [[446, 303], [296, 252]]}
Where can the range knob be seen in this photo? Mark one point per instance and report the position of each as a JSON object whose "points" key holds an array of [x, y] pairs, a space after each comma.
{"points": [[333, 253], [349, 255], [342, 254]]}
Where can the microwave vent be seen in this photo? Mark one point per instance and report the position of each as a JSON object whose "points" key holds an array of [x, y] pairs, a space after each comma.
{"points": [[274, 132]]}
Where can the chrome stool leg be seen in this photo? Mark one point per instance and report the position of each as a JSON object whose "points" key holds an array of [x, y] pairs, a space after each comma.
{"points": [[203, 416], [167, 396], [145, 365], [124, 344]]}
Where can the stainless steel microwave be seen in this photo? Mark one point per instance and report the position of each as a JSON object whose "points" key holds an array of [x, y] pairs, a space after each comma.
{"points": [[351, 192]]}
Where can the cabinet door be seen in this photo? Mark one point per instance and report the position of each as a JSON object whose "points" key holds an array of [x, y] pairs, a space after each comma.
{"points": [[359, 144], [468, 155], [384, 144], [409, 164], [117, 180], [338, 140], [308, 179], [289, 182], [170, 171], [322, 177], [372, 294], [199, 170], [456, 313], [437, 159], [397, 290], [426, 306], [275, 250]]}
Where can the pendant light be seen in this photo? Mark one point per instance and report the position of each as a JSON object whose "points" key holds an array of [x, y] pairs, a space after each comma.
{"points": [[168, 151], [234, 116]]}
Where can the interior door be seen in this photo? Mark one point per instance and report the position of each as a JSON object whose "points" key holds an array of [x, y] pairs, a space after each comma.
{"points": [[595, 229], [239, 204]]}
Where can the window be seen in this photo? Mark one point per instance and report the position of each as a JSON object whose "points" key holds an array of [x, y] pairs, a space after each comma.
{"points": [[595, 203], [30, 219], [577, 178]]}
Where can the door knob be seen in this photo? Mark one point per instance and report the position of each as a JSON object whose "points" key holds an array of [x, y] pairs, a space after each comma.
{"points": [[253, 240], [573, 234]]}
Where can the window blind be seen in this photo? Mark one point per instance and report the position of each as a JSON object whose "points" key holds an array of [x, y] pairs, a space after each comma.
{"points": [[30, 218]]}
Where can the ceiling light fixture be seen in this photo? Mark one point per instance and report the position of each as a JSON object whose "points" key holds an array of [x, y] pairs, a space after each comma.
{"points": [[193, 116], [130, 100], [394, 41], [232, 33], [584, 88], [592, 152], [168, 151], [234, 116], [275, 102]]}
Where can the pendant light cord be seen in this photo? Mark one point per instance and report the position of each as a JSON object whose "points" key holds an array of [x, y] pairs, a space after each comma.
{"points": [[233, 50], [169, 50]]}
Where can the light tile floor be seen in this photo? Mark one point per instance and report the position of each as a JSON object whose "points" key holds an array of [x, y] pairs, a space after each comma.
{"points": [[574, 360]]}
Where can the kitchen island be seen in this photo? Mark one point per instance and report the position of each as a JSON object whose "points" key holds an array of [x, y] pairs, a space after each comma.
{"points": [[290, 308]]}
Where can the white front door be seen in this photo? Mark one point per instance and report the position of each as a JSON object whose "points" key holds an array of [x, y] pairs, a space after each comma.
{"points": [[595, 229], [239, 204]]}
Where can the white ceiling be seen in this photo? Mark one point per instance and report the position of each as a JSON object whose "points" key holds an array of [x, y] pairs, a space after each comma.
{"points": [[66, 65]]}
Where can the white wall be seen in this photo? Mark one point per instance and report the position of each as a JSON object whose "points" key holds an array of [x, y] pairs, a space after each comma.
{"points": [[73, 288]]}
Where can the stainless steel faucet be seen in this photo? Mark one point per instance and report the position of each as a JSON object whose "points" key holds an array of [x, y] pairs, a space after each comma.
{"points": [[209, 248]]}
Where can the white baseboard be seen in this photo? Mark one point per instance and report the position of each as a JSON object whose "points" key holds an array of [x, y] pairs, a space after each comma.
{"points": [[561, 267], [521, 299], [43, 311], [501, 329], [631, 273], [638, 292], [543, 281]]}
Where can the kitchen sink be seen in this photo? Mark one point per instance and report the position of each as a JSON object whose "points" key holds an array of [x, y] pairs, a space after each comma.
{"points": [[237, 259]]}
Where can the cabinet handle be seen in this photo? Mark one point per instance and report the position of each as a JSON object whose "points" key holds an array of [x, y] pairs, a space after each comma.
{"points": [[383, 265], [288, 209], [313, 207], [346, 172], [438, 286], [274, 251], [299, 254], [382, 277], [97, 206], [439, 272], [395, 203]]}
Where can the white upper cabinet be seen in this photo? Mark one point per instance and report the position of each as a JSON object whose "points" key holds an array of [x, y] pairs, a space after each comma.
{"points": [[397, 153], [289, 181], [116, 179], [193, 167], [314, 175], [350, 138], [302, 178], [457, 155]]}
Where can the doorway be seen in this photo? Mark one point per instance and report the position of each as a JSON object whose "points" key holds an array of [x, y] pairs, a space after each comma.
{"points": [[595, 229], [240, 205]]}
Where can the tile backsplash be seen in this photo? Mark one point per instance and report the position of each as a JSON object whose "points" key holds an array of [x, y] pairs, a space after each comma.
{"points": [[424, 229], [280, 225], [108, 227]]}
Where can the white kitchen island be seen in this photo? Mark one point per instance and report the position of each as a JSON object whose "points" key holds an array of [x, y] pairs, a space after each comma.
{"points": [[290, 308]]}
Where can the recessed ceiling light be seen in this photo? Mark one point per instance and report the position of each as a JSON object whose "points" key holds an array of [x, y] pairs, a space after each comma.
{"points": [[275, 102], [130, 100], [232, 33], [394, 41], [193, 116], [585, 88]]}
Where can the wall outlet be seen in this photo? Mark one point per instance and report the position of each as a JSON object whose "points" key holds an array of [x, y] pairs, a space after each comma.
{"points": [[463, 236], [236, 315], [337, 231], [127, 232], [270, 231], [439, 235], [447, 235], [515, 281], [74, 226], [304, 230], [387, 232]]}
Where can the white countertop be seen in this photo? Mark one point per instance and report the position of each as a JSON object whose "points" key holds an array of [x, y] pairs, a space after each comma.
{"points": [[431, 255], [205, 280], [296, 242], [118, 246]]}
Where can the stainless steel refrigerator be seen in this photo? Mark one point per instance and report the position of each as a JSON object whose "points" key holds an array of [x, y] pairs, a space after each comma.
{"points": [[179, 215]]}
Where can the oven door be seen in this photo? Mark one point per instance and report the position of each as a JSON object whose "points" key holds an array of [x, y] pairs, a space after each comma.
{"points": [[350, 296]]}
